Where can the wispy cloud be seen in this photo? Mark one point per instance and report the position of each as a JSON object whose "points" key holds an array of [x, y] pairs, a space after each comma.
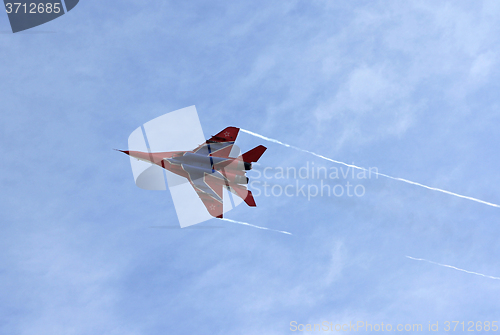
{"points": [[409, 87]]}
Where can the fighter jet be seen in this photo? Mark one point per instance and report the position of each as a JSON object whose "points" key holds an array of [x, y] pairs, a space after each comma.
{"points": [[209, 168]]}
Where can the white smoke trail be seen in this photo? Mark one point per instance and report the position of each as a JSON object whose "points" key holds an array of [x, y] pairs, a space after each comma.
{"points": [[251, 225], [453, 267], [377, 173]]}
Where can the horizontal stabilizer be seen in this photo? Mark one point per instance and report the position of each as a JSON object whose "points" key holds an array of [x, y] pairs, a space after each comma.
{"points": [[250, 200], [254, 154], [244, 194]]}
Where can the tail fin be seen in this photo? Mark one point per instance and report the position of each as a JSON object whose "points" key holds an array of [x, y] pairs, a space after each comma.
{"points": [[227, 135], [254, 154]]}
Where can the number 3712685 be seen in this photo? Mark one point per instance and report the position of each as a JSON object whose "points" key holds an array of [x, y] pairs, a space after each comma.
{"points": [[32, 8], [470, 326]]}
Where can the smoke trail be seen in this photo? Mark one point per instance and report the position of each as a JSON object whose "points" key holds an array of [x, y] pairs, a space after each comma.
{"points": [[251, 225], [452, 267], [377, 173]]}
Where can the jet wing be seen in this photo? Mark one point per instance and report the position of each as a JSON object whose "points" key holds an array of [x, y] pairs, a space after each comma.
{"points": [[209, 189], [214, 207]]}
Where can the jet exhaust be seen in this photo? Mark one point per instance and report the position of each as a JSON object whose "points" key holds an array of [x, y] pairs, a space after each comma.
{"points": [[251, 225], [452, 267], [377, 173]]}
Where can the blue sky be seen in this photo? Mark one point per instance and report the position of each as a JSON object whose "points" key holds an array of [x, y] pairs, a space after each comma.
{"points": [[411, 89]]}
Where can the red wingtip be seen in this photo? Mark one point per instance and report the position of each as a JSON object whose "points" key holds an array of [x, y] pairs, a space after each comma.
{"points": [[219, 216]]}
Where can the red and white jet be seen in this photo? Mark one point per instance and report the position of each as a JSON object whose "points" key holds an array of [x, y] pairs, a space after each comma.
{"points": [[209, 168]]}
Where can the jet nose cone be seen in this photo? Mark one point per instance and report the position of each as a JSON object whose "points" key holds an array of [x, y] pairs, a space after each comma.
{"points": [[125, 152]]}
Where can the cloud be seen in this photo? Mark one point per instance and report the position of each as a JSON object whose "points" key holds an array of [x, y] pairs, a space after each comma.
{"points": [[409, 88]]}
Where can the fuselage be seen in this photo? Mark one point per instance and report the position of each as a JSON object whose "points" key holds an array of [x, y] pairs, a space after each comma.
{"points": [[195, 165]]}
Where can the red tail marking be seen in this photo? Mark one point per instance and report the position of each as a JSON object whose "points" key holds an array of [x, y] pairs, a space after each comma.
{"points": [[227, 135], [254, 154]]}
